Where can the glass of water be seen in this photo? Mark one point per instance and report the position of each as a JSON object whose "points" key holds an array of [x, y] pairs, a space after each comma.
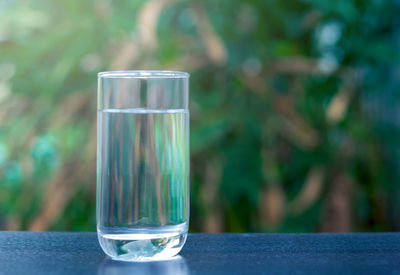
{"points": [[142, 163]]}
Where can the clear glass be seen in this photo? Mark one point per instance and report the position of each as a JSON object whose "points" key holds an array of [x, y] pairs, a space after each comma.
{"points": [[142, 163]]}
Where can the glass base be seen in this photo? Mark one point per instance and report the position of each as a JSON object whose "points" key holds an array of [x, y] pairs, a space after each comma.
{"points": [[155, 244]]}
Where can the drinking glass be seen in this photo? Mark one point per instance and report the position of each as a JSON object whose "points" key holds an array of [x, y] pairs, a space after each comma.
{"points": [[142, 163]]}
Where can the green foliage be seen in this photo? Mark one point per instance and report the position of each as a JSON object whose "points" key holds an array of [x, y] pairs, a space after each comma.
{"points": [[294, 114]]}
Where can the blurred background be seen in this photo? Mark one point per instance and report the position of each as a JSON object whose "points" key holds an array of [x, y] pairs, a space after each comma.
{"points": [[295, 108]]}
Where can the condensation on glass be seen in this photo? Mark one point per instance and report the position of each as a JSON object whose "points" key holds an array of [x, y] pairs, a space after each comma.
{"points": [[142, 163]]}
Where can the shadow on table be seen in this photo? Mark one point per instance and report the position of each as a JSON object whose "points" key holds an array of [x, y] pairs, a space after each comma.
{"points": [[176, 265]]}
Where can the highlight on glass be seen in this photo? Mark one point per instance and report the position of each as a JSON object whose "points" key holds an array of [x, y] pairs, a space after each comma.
{"points": [[142, 163]]}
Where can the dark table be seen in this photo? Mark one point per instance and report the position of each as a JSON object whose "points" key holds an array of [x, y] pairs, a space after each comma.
{"points": [[79, 253]]}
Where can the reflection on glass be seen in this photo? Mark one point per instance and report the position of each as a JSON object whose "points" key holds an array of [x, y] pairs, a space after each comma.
{"points": [[173, 266]]}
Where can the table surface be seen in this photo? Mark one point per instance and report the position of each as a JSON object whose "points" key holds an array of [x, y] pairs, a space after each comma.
{"points": [[80, 253]]}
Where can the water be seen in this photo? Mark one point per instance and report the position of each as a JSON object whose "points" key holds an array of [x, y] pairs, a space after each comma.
{"points": [[142, 177]]}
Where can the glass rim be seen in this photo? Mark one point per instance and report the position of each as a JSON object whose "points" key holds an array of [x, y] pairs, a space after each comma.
{"points": [[143, 74]]}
